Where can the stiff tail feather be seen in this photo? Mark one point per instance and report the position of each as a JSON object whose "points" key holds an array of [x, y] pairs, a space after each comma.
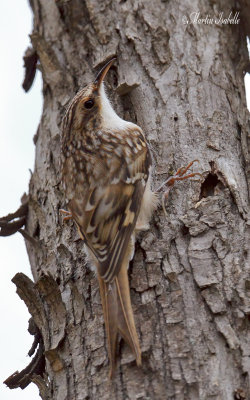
{"points": [[118, 315]]}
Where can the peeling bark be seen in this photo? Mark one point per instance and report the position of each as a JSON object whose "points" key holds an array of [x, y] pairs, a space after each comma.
{"points": [[190, 287], [35, 368]]}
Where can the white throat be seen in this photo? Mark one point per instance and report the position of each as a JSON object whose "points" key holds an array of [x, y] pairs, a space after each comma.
{"points": [[110, 120]]}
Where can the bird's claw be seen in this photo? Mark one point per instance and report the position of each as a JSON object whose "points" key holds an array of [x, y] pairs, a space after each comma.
{"points": [[67, 214], [178, 176]]}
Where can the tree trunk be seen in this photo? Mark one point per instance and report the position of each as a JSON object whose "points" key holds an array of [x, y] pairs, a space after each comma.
{"points": [[182, 82]]}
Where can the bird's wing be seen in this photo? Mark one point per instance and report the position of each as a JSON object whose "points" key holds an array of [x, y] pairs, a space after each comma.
{"points": [[107, 216]]}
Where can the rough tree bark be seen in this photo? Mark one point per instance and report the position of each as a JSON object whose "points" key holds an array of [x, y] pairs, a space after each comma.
{"points": [[190, 285]]}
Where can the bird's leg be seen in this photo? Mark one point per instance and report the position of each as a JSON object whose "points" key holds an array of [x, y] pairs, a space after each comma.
{"points": [[178, 176], [67, 214]]}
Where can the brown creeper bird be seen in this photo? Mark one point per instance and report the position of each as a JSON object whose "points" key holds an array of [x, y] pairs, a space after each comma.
{"points": [[106, 176]]}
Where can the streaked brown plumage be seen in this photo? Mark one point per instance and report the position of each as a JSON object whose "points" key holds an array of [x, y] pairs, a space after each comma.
{"points": [[106, 175]]}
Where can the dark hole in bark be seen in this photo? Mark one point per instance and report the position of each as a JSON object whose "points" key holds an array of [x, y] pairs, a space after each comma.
{"points": [[114, 76], [37, 231], [62, 10], [209, 185], [238, 129], [51, 158], [184, 230]]}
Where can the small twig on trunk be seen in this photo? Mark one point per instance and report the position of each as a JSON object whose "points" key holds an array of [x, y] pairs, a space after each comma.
{"points": [[12, 222]]}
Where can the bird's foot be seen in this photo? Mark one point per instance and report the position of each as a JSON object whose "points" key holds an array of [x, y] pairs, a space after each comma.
{"points": [[178, 176], [67, 214]]}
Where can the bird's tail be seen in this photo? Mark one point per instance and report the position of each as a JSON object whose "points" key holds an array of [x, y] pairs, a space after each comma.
{"points": [[118, 315]]}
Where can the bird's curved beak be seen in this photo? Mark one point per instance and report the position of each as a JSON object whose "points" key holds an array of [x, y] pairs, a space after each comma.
{"points": [[101, 75]]}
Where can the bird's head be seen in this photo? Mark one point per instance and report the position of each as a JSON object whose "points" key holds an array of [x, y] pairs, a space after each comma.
{"points": [[91, 103]]}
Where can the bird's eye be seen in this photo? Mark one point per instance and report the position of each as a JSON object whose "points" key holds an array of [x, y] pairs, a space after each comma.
{"points": [[89, 103]]}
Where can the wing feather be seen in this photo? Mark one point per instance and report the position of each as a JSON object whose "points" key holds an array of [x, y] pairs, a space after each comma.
{"points": [[108, 212]]}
